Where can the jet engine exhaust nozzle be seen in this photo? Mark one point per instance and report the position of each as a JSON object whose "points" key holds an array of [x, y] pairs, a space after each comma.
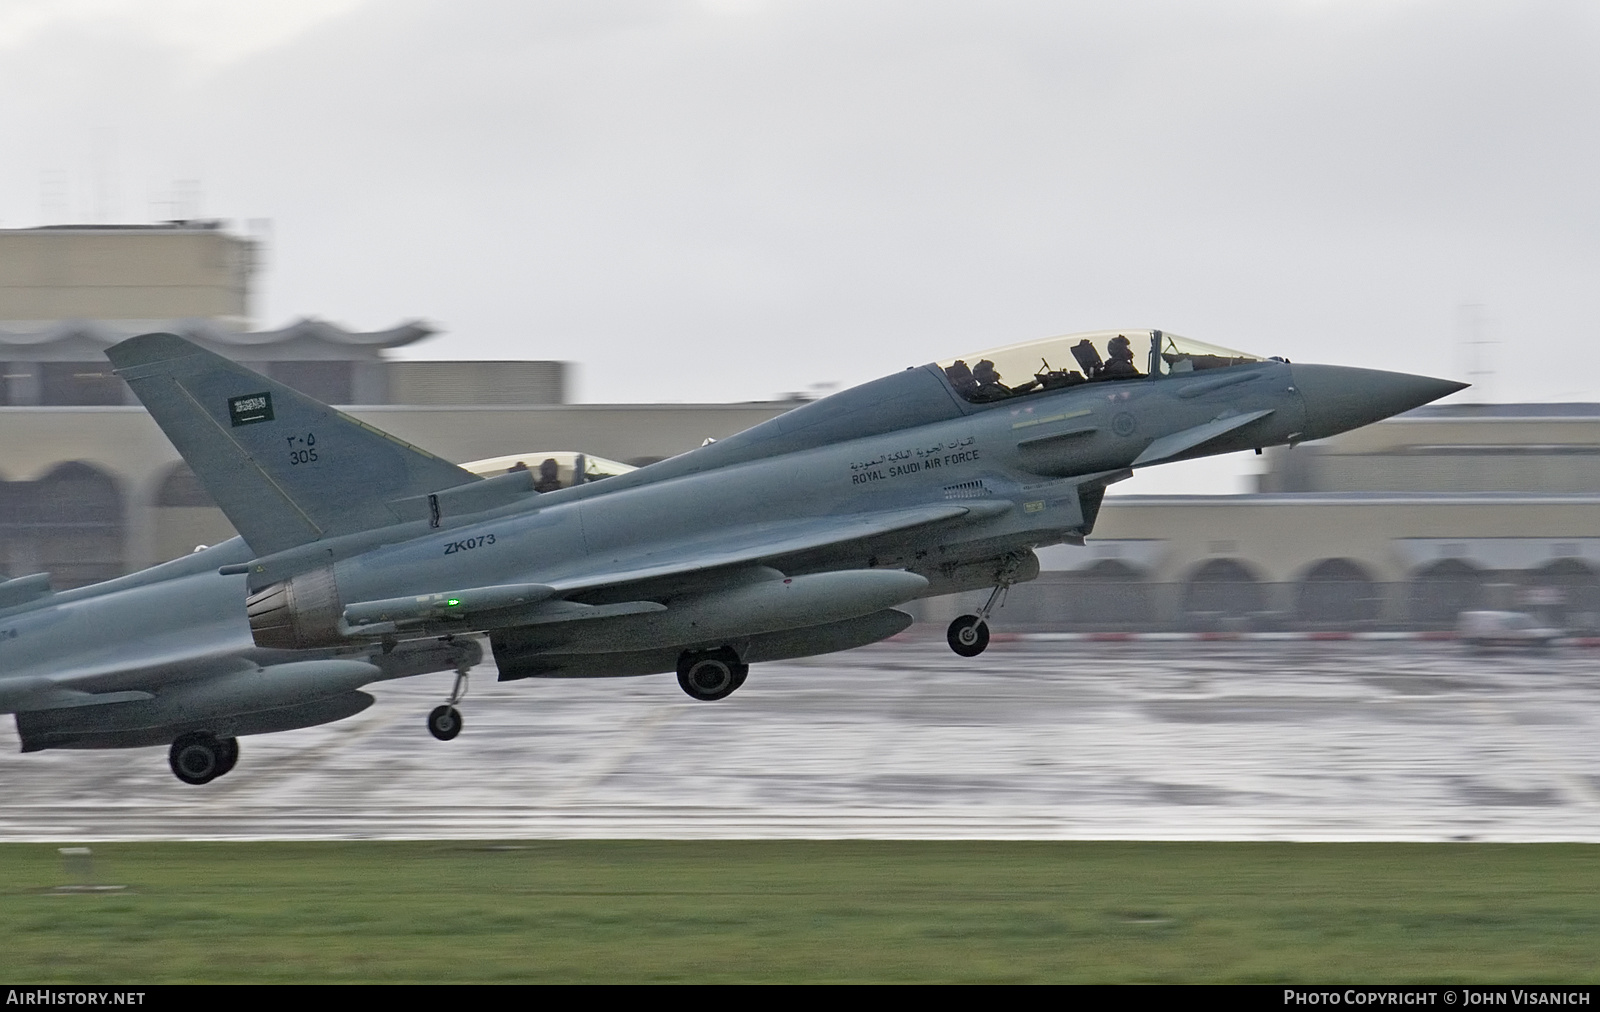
{"points": [[300, 613]]}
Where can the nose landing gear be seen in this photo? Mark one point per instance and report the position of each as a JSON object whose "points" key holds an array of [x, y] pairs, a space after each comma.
{"points": [[968, 635]]}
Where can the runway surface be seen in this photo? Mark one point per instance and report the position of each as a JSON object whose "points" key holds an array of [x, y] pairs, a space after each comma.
{"points": [[1037, 740]]}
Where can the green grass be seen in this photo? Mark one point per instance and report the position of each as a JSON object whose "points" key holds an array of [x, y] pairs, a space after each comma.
{"points": [[804, 910]]}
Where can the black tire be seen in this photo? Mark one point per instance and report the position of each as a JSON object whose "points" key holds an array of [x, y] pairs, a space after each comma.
{"points": [[968, 635], [196, 758], [709, 675], [444, 722], [230, 756]]}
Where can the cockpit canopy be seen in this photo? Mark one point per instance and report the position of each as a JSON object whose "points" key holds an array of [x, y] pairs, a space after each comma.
{"points": [[1057, 362], [552, 469]]}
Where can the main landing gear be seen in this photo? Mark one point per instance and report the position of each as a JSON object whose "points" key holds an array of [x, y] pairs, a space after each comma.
{"points": [[200, 757], [969, 634], [444, 722], [711, 674]]}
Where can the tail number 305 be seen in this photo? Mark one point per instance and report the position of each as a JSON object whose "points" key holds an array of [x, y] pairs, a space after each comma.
{"points": [[302, 449]]}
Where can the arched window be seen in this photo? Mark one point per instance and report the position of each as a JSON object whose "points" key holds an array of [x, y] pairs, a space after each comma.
{"points": [[1564, 591], [1444, 590], [77, 493], [181, 488], [1109, 595], [1224, 587], [1338, 591], [78, 528]]}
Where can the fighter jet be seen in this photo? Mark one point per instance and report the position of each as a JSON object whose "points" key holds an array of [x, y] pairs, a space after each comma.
{"points": [[362, 557]]}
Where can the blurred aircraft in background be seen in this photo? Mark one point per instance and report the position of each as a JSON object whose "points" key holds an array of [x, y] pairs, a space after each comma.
{"points": [[363, 558]]}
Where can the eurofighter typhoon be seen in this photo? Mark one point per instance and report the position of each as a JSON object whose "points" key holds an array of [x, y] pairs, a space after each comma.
{"points": [[363, 558]]}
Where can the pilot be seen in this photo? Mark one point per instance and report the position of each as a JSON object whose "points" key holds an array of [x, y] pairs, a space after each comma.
{"points": [[549, 478], [1119, 359], [989, 386]]}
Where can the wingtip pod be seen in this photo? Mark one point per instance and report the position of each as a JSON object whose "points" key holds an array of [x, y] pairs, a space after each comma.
{"points": [[1340, 398]]}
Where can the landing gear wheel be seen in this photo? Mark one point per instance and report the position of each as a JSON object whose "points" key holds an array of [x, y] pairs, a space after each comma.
{"points": [[444, 722], [230, 755], [711, 674], [199, 758], [968, 635]]}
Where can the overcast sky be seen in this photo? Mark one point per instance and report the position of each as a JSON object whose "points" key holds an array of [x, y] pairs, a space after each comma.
{"points": [[728, 199]]}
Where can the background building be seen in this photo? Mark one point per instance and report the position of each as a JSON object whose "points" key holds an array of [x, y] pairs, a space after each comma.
{"points": [[68, 292]]}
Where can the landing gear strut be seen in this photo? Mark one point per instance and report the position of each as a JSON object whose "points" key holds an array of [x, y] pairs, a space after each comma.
{"points": [[711, 674], [968, 635], [199, 757], [444, 722]]}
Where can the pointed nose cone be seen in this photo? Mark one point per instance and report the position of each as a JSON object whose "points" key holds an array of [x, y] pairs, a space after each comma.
{"points": [[1339, 398]]}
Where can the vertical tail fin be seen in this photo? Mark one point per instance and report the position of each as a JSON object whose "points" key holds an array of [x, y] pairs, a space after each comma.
{"points": [[285, 468]]}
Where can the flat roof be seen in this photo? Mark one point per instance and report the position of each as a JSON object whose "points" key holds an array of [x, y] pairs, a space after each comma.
{"points": [[1362, 499], [175, 225], [1554, 409]]}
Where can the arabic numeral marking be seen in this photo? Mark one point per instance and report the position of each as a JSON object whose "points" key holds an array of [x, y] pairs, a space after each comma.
{"points": [[305, 452]]}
